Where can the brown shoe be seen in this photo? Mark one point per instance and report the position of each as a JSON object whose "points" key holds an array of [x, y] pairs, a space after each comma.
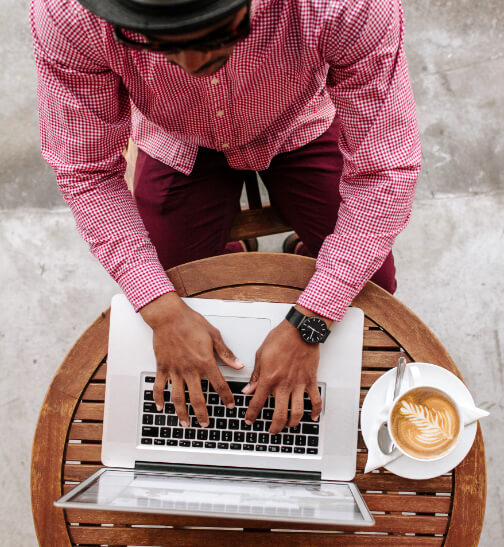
{"points": [[292, 244], [249, 245]]}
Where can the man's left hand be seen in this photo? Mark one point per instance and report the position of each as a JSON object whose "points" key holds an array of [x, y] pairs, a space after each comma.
{"points": [[285, 366]]}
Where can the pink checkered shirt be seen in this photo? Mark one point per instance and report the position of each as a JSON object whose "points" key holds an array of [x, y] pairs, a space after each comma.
{"points": [[303, 62]]}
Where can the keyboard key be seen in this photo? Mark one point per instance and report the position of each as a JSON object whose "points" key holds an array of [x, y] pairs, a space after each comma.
{"points": [[187, 397], [150, 379], [194, 422], [287, 449], [213, 399], [177, 433], [251, 437], [264, 438], [248, 398], [202, 434], [244, 426], [218, 411], [160, 419], [214, 435], [235, 446], [185, 443], [172, 442], [172, 420], [149, 407], [234, 424], [299, 450], [197, 444], [276, 439], [169, 408], [258, 425], [248, 447], [300, 440], [146, 441], [227, 436], [273, 448], [238, 436], [242, 412], [288, 439], [307, 404], [231, 412], [223, 446], [210, 410], [296, 429], [267, 414], [312, 451], [148, 419], [165, 432], [204, 385], [148, 395], [221, 423], [261, 448], [160, 442], [189, 433], [312, 441], [167, 396], [311, 429], [150, 431], [210, 445], [239, 399], [211, 423]]}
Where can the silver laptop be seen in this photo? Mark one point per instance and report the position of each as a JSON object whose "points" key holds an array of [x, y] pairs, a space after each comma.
{"points": [[229, 469]]}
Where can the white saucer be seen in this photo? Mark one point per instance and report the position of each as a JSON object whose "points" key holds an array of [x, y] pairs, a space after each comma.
{"points": [[430, 375]]}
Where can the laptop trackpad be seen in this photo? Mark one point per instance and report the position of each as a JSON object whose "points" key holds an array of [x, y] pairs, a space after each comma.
{"points": [[242, 335]]}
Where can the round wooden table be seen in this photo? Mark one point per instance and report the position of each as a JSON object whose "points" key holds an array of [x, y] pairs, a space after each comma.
{"points": [[447, 510]]}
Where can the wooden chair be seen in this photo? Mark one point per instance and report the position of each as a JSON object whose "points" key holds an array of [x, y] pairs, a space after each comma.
{"points": [[256, 220], [447, 510]]}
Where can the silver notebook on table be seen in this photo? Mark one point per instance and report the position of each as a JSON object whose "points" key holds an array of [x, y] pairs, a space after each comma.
{"points": [[229, 469]]}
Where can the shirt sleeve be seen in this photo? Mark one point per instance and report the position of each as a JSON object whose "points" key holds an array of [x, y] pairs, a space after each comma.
{"points": [[84, 114], [369, 85]]}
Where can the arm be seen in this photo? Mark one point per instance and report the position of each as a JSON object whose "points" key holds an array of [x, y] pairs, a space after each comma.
{"points": [[362, 43]]}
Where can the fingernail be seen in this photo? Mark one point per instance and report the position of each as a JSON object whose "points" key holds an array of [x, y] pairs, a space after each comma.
{"points": [[204, 424], [183, 423], [315, 418], [246, 389], [159, 407], [230, 405], [239, 363], [248, 422]]}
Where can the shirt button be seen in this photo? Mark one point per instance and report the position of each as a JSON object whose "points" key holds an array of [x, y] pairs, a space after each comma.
{"points": [[220, 113], [214, 80], [225, 145]]}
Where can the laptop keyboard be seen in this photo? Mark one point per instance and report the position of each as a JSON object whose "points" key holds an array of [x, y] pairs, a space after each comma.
{"points": [[227, 429]]}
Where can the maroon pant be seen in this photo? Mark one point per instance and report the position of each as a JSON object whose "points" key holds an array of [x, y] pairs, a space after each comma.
{"points": [[190, 216]]}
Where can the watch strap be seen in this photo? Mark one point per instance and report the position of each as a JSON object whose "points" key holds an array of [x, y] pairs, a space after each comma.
{"points": [[295, 317]]}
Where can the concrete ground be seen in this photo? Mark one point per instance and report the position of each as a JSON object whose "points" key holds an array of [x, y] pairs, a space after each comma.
{"points": [[450, 259]]}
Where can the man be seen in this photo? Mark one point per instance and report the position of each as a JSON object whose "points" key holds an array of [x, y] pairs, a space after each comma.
{"points": [[313, 94]]}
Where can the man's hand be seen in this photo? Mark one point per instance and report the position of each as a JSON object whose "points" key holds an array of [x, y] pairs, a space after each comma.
{"points": [[184, 344], [286, 367]]}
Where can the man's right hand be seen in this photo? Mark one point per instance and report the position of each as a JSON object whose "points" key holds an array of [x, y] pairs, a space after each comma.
{"points": [[184, 345]]}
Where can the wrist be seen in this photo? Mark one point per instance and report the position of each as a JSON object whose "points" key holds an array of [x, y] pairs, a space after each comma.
{"points": [[310, 313], [161, 309]]}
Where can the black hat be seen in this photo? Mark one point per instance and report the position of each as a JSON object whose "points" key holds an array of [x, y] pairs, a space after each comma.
{"points": [[163, 15]]}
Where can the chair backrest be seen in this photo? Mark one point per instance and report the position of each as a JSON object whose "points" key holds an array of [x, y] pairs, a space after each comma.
{"points": [[258, 219]]}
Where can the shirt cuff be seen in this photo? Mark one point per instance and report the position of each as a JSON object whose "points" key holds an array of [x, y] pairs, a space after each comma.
{"points": [[145, 283], [327, 296]]}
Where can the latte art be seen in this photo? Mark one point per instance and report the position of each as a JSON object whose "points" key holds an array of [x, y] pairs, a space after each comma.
{"points": [[425, 423]]}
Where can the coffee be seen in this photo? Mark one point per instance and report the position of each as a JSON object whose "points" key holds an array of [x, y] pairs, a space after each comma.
{"points": [[425, 423]]}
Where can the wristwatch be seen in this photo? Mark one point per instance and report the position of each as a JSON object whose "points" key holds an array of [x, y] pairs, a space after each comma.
{"points": [[313, 330]]}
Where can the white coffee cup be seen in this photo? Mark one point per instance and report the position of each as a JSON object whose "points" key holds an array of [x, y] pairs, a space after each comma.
{"points": [[425, 422]]}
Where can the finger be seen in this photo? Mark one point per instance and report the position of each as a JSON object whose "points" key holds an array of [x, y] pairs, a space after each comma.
{"points": [[225, 354], [281, 412], [316, 401], [220, 386], [254, 380], [198, 400], [178, 399], [159, 386], [256, 404], [297, 407]]}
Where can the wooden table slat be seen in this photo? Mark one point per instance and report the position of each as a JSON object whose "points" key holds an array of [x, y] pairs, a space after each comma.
{"points": [[89, 411], [86, 431]]}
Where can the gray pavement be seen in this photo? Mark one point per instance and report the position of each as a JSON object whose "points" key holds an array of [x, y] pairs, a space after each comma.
{"points": [[450, 259]]}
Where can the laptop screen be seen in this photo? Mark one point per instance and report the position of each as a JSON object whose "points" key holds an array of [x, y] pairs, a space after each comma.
{"points": [[324, 502]]}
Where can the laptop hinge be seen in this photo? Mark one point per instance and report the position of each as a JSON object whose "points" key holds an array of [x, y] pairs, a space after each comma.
{"points": [[224, 470]]}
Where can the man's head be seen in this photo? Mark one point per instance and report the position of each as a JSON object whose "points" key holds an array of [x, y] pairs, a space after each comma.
{"points": [[197, 35]]}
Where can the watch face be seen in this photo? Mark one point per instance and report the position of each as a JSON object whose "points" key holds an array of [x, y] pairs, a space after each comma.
{"points": [[313, 330]]}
